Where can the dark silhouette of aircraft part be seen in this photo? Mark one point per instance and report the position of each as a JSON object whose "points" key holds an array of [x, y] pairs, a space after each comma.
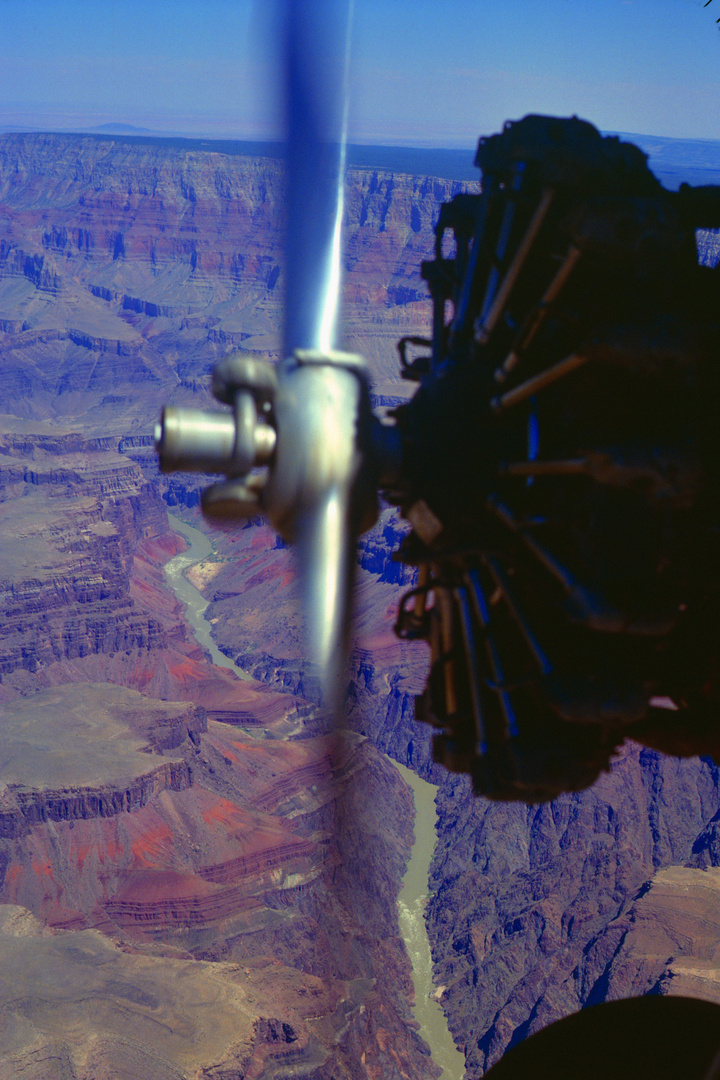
{"points": [[647, 1038], [560, 466], [558, 463]]}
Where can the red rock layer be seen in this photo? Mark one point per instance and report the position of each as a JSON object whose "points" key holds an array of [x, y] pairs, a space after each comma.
{"points": [[179, 856]]}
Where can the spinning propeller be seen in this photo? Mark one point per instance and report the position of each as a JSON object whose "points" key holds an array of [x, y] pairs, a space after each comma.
{"points": [[306, 423], [558, 462]]}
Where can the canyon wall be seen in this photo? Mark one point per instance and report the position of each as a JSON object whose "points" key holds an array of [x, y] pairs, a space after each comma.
{"points": [[536, 911], [234, 846], [127, 271], [250, 856]]}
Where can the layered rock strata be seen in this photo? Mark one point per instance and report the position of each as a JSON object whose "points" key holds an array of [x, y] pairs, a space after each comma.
{"points": [[124, 814], [132, 816], [666, 942], [162, 1017], [125, 272], [73, 512]]}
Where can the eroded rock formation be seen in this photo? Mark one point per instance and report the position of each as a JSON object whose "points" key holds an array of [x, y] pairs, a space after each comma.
{"points": [[235, 867], [525, 897], [127, 270]]}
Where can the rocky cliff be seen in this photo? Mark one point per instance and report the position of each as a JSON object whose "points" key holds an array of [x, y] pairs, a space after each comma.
{"points": [[260, 873], [127, 270], [73, 513], [534, 908], [534, 911]]}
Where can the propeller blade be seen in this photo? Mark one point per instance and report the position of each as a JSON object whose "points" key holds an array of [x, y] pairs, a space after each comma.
{"points": [[309, 421], [326, 561], [320, 397], [317, 45], [319, 494]]}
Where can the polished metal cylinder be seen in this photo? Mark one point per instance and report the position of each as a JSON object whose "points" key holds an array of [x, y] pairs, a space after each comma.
{"points": [[195, 440]]}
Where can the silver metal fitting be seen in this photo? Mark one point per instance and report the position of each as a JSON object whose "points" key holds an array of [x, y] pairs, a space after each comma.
{"points": [[197, 440]]}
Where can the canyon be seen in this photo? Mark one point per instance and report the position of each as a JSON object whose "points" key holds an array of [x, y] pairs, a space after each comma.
{"points": [[191, 850]]}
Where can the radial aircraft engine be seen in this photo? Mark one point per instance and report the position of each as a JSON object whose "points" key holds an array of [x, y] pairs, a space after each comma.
{"points": [[558, 462]]}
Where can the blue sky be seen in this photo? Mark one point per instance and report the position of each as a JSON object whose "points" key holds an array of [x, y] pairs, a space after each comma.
{"points": [[424, 72]]}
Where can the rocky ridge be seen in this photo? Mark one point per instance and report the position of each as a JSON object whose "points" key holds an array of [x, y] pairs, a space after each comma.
{"points": [[532, 909], [125, 267], [208, 841], [73, 512], [667, 941], [124, 274], [530, 904]]}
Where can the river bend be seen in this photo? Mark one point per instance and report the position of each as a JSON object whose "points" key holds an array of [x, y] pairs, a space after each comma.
{"points": [[414, 893]]}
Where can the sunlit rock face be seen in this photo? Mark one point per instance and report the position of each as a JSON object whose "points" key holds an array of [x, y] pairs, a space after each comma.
{"points": [[127, 270], [213, 849], [211, 864]]}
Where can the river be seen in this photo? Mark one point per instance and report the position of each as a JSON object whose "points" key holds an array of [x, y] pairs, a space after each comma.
{"points": [[411, 912], [194, 601], [414, 893]]}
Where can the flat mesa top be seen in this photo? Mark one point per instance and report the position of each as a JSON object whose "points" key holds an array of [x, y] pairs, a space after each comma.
{"points": [[81, 735], [118, 1013]]}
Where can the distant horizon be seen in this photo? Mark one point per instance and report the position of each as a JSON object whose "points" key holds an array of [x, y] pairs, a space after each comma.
{"points": [[120, 129], [673, 160]]}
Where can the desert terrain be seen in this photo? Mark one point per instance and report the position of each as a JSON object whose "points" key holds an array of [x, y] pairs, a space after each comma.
{"points": [[196, 880]]}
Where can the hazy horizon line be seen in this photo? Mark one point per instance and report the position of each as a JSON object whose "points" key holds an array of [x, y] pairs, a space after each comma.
{"points": [[121, 129]]}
